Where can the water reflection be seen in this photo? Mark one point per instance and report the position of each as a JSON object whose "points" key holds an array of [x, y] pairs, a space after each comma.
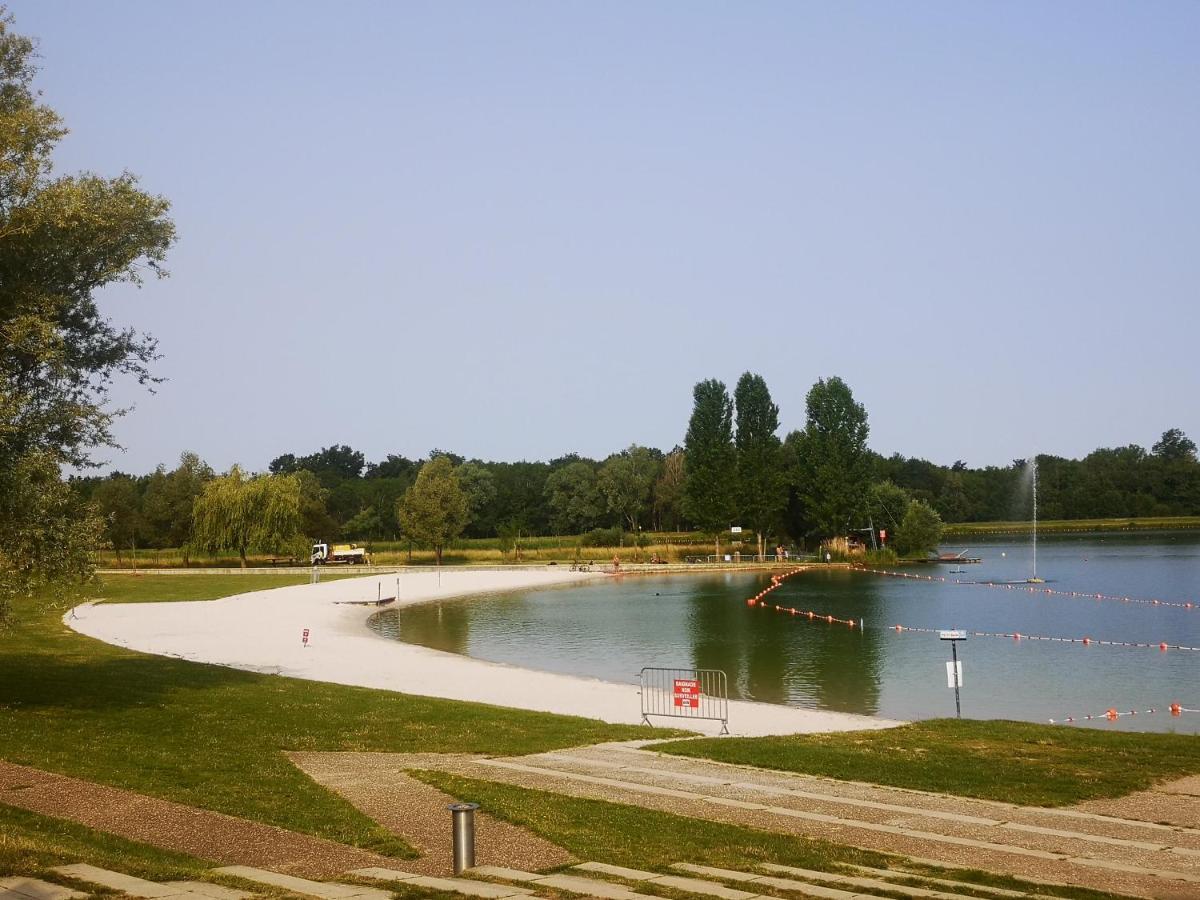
{"points": [[612, 628]]}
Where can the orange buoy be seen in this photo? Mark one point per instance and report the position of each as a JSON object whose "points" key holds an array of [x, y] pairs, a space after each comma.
{"points": [[1176, 709], [1163, 646], [1112, 714], [1086, 641]]}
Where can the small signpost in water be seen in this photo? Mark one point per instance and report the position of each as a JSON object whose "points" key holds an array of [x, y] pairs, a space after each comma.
{"points": [[954, 667]]}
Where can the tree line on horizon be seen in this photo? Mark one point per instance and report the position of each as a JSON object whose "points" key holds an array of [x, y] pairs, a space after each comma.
{"points": [[732, 468]]}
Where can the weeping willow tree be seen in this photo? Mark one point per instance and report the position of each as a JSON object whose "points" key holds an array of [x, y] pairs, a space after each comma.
{"points": [[249, 514]]}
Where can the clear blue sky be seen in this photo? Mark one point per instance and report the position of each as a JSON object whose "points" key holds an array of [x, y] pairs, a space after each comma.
{"points": [[514, 230]]}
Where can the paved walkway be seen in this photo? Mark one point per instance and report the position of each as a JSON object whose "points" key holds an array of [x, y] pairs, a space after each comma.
{"points": [[175, 826], [1073, 846], [417, 812]]}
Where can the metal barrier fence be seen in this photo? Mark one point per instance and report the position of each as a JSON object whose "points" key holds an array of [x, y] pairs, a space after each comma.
{"points": [[685, 694]]}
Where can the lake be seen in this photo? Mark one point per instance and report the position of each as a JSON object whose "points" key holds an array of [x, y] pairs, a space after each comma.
{"points": [[612, 628]]}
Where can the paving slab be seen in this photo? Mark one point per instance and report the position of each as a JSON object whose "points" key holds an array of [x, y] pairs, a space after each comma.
{"points": [[325, 890], [118, 881], [888, 874], [591, 887], [470, 888], [18, 886], [705, 888], [785, 884], [618, 871], [204, 889], [504, 873]]}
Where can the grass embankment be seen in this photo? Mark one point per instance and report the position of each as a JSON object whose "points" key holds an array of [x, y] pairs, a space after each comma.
{"points": [[647, 839], [1051, 526], [1016, 762], [212, 737]]}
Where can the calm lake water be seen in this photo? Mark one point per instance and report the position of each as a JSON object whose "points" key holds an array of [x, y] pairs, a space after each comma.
{"points": [[612, 628]]}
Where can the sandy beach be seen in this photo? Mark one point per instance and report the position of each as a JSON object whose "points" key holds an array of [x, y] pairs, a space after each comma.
{"points": [[262, 631]]}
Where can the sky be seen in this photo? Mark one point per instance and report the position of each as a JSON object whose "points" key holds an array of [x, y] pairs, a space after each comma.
{"points": [[519, 229]]}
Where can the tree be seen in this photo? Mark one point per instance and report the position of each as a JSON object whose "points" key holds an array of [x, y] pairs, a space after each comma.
{"points": [[710, 460], [249, 514], [167, 502], [761, 489], [434, 510], [315, 521], [119, 504], [62, 239], [625, 480], [887, 505], [1174, 445], [832, 467], [574, 498], [920, 530], [480, 487], [668, 490]]}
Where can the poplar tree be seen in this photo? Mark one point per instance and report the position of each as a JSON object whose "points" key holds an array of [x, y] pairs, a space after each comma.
{"points": [[710, 461], [831, 463], [435, 509], [760, 484]]}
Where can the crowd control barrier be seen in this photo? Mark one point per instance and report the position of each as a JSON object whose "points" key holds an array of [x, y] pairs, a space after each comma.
{"points": [[685, 694]]}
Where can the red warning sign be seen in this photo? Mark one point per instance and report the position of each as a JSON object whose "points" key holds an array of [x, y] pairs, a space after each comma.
{"points": [[687, 693], [304, 637]]}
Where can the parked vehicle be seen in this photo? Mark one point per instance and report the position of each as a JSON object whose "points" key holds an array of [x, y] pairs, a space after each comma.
{"points": [[348, 554]]}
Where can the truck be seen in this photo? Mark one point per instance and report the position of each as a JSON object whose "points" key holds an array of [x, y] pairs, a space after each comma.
{"points": [[324, 554]]}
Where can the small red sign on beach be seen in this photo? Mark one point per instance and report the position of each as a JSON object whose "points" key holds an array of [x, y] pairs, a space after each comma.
{"points": [[304, 637]]}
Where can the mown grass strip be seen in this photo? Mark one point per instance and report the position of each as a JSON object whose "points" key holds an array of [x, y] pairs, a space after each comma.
{"points": [[214, 737], [1016, 762], [648, 839]]}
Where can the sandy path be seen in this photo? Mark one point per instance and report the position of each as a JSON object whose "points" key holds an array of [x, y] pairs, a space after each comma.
{"points": [[261, 631]]}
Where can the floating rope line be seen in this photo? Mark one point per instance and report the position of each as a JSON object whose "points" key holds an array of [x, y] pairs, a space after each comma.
{"points": [[1112, 714], [777, 582], [1037, 589], [1162, 646]]}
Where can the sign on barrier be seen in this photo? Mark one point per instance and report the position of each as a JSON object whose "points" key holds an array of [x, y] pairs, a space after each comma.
{"points": [[685, 694]]}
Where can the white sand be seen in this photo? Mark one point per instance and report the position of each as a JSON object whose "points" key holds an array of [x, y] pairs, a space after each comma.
{"points": [[261, 631]]}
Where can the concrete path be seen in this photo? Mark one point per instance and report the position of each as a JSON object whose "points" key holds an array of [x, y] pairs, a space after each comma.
{"points": [[261, 632], [417, 812], [175, 826], [1072, 846]]}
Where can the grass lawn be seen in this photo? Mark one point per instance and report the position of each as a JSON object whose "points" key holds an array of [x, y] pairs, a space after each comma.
{"points": [[648, 839], [142, 588], [962, 529], [212, 737], [1017, 762]]}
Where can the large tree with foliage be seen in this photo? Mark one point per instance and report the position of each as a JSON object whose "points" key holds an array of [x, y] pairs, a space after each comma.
{"points": [[576, 504], [920, 530], [762, 491], [710, 461], [434, 511], [168, 500], [62, 239], [668, 491], [249, 514], [831, 466], [625, 480]]}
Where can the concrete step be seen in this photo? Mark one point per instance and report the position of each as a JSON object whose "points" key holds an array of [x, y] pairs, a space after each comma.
{"points": [[126, 884], [690, 885], [896, 874], [572, 884], [857, 881], [18, 887], [464, 886], [324, 890]]}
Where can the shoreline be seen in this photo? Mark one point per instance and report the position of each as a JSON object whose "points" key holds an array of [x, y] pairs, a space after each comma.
{"points": [[262, 631]]}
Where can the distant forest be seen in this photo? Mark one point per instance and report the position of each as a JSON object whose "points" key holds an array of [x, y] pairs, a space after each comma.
{"points": [[348, 498]]}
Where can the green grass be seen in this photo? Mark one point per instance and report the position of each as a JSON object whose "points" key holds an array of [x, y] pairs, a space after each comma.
{"points": [[648, 839], [143, 588], [31, 843], [1143, 523], [1016, 762], [213, 737]]}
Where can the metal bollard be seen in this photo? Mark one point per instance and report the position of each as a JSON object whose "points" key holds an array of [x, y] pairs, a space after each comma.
{"points": [[464, 835]]}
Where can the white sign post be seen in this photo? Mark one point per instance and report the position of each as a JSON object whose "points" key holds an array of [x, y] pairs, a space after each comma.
{"points": [[954, 667]]}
